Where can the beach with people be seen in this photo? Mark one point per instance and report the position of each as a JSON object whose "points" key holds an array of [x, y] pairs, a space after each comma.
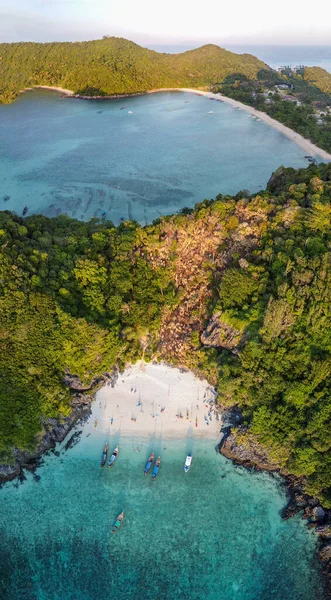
{"points": [[156, 400]]}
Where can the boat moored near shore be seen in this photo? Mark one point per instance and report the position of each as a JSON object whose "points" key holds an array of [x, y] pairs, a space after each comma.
{"points": [[149, 463], [188, 462], [156, 467], [104, 455], [113, 457]]}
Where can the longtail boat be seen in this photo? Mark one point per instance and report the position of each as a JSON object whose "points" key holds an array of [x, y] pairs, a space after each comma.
{"points": [[118, 522], [149, 463], [156, 468], [104, 455], [188, 463], [113, 458]]}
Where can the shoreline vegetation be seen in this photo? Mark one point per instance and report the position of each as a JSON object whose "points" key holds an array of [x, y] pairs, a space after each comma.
{"points": [[295, 137]]}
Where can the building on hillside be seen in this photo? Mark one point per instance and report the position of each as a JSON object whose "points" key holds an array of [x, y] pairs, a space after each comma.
{"points": [[291, 99]]}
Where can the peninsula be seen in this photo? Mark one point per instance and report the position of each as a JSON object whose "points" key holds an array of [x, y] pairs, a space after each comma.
{"points": [[236, 290]]}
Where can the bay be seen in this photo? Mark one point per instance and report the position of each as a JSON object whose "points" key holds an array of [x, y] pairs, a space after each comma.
{"points": [[137, 158], [213, 533]]}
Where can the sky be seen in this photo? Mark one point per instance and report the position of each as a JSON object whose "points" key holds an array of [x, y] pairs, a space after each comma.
{"points": [[152, 22]]}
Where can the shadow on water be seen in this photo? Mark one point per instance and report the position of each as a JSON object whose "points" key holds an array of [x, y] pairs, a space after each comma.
{"points": [[189, 440], [158, 445], [115, 439], [121, 504]]}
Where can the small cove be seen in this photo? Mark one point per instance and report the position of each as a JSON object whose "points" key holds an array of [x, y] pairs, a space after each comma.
{"points": [[215, 532], [135, 158]]}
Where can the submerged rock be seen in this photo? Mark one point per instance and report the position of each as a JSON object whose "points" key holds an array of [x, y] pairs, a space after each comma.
{"points": [[8, 472], [55, 430], [73, 440]]}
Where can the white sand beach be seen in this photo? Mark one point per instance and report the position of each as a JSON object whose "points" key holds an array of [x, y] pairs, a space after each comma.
{"points": [[55, 89], [49, 88], [156, 401]]}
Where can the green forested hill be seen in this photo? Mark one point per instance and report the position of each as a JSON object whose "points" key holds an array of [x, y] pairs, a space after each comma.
{"points": [[318, 77], [238, 290], [114, 66]]}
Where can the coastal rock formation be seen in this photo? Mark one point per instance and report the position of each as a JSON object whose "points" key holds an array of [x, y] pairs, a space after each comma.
{"points": [[243, 449], [55, 430], [74, 383]]}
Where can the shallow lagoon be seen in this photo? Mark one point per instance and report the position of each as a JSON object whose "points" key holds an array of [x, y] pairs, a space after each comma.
{"points": [[214, 533], [59, 155]]}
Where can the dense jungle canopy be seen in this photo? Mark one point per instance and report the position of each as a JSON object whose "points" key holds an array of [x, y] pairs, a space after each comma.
{"points": [[114, 66]]}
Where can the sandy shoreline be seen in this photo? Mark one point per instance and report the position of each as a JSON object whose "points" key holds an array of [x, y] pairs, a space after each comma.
{"points": [[51, 88], [298, 139], [305, 144], [155, 401]]}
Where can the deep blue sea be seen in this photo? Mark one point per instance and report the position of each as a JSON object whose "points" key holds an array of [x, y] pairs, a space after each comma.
{"points": [[214, 533], [137, 158]]}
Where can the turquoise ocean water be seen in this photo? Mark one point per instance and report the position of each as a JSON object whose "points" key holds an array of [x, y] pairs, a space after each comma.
{"points": [[212, 534], [85, 157]]}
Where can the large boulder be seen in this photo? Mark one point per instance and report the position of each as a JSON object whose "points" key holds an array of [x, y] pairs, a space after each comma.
{"points": [[318, 514]]}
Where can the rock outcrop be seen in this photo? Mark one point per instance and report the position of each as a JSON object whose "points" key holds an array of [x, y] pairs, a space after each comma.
{"points": [[221, 335]]}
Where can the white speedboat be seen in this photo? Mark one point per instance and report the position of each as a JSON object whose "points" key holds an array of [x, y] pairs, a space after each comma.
{"points": [[188, 463]]}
